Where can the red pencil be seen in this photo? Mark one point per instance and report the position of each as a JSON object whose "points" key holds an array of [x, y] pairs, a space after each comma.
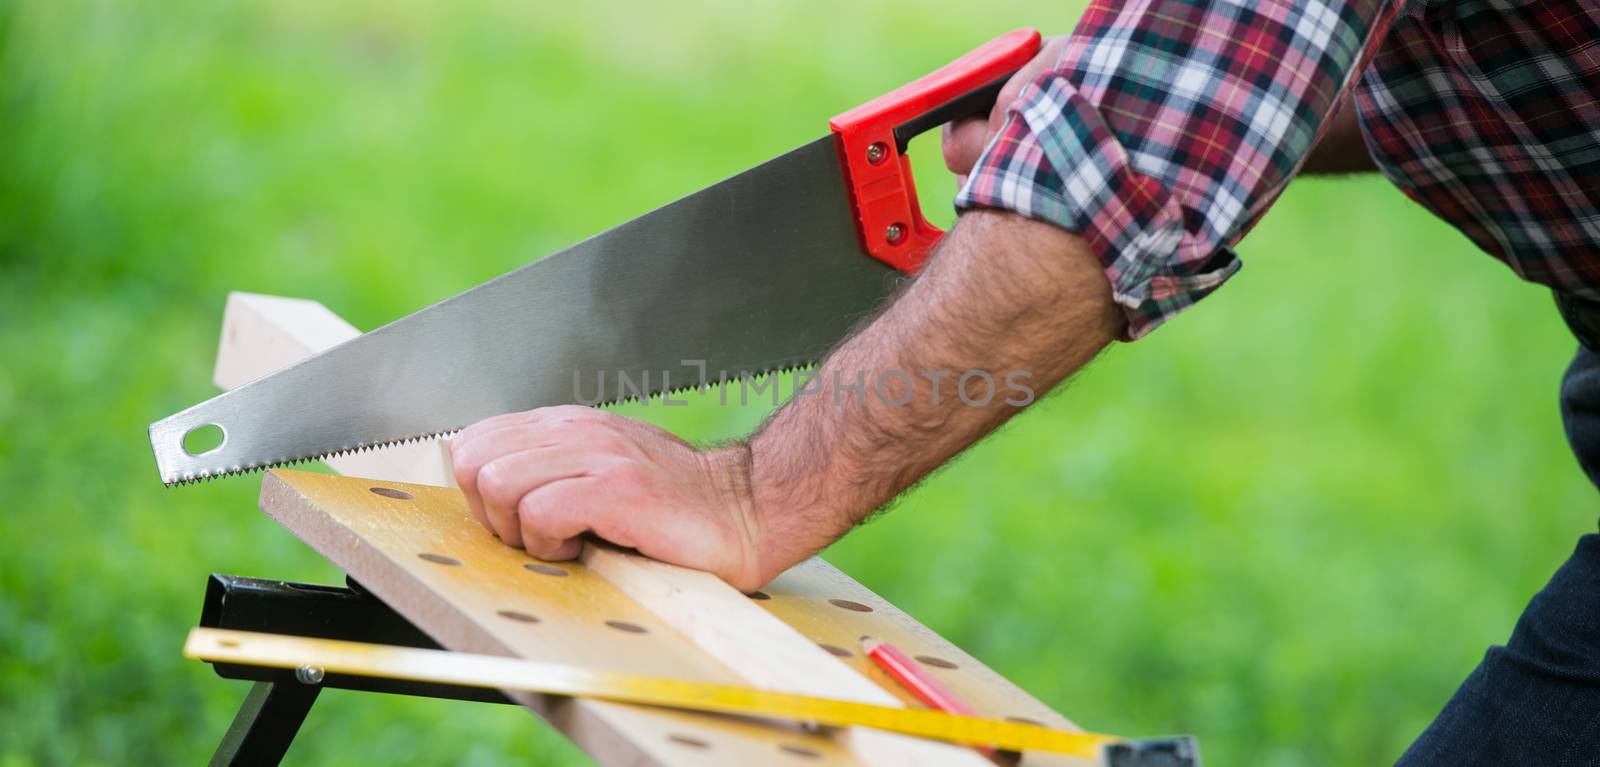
{"points": [[915, 678]]}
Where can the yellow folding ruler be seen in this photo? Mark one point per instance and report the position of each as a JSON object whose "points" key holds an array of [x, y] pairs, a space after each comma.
{"points": [[495, 672]]}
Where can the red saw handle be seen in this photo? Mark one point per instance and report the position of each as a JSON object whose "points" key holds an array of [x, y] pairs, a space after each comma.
{"points": [[872, 143]]}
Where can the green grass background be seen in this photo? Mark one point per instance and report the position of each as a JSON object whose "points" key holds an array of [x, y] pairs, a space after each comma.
{"points": [[1289, 522]]}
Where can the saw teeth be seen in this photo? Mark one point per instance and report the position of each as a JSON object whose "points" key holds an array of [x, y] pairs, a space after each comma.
{"points": [[206, 475]]}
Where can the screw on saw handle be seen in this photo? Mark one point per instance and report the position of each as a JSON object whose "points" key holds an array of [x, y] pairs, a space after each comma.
{"points": [[872, 142]]}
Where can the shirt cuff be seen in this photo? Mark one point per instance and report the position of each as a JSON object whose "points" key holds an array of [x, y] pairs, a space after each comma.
{"points": [[1057, 161]]}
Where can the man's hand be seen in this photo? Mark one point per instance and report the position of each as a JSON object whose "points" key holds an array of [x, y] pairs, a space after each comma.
{"points": [[539, 480], [964, 139]]}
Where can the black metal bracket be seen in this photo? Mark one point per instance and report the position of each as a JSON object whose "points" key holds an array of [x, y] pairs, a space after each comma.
{"points": [[280, 700], [266, 723]]}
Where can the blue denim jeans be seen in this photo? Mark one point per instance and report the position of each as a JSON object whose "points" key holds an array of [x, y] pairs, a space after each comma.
{"points": [[1536, 701]]}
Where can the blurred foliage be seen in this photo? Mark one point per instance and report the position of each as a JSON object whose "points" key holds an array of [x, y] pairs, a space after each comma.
{"points": [[1290, 522]]}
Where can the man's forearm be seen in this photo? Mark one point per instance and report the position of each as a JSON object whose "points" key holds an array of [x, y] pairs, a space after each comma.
{"points": [[1004, 295]]}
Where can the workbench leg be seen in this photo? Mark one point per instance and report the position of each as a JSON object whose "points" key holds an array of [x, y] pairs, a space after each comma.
{"points": [[266, 724]]}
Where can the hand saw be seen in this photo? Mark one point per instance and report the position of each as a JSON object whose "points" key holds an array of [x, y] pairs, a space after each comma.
{"points": [[762, 272], [502, 673]]}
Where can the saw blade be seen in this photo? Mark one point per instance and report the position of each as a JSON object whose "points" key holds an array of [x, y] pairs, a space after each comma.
{"points": [[761, 272]]}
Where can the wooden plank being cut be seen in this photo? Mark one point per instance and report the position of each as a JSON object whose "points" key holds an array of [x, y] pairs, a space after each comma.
{"points": [[799, 635]]}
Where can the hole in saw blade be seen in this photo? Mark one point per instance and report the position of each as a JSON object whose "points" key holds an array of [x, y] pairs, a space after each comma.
{"points": [[202, 439]]}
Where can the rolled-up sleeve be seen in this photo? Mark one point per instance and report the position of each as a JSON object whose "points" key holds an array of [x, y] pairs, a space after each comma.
{"points": [[1168, 127]]}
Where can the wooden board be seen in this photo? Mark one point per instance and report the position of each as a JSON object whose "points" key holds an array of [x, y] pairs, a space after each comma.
{"points": [[418, 549], [799, 635]]}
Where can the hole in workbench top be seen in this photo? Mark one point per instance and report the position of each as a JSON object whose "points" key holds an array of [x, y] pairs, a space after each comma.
{"points": [[849, 605], [834, 649], [804, 752], [438, 559], [687, 740], [935, 661], [1026, 720], [551, 570], [389, 492], [624, 626], [518, 616]]}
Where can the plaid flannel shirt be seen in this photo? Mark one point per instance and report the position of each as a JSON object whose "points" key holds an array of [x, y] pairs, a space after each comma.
{"points": [[1168, 127]]}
